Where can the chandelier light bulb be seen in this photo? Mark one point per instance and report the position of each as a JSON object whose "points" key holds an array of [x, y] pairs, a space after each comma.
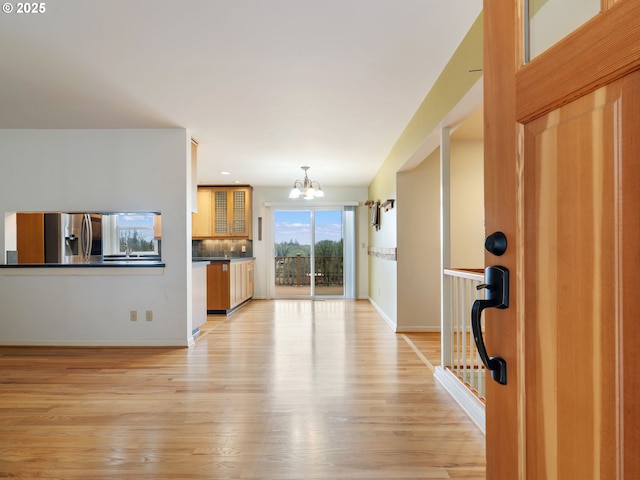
{"points": [[309, 189]]}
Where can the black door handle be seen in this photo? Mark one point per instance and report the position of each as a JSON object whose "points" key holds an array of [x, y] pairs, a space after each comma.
{"points": [[497, 286]]}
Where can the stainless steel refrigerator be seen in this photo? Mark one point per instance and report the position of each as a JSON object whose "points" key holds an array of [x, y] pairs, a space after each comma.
{"points": [[72, 238]]}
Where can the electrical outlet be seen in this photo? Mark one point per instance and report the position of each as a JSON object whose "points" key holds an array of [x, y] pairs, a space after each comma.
{"points": [[244, 249], [149, 315], [133, 315]]}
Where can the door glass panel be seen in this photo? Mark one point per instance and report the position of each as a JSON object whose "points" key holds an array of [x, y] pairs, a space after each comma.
{"points": [[549, 21], [328, 253], [292, 243]]}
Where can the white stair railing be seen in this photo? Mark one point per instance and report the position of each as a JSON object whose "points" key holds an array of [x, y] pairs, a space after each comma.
{"points": [[462, 371]]}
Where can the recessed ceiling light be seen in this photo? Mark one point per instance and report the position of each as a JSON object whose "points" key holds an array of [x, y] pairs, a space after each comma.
{"points": [[225, 173]]}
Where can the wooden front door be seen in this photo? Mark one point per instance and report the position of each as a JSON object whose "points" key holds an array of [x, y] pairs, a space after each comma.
{"points": [[562, 181]]}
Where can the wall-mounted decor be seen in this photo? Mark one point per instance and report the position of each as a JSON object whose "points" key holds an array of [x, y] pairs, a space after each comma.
{"points": [[384, 253], [375, 215], [376, 207], [388, 204]]}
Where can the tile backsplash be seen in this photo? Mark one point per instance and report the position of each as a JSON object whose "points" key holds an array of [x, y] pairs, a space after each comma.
{"points": [[222, 248]]}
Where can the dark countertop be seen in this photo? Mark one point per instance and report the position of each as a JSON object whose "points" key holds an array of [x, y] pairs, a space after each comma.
{"points": [[131, 263], [110, 264], [200, 262], [223, 259]]}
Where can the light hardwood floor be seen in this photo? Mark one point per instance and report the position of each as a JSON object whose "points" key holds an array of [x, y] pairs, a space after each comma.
{"points": [[287, 389]]}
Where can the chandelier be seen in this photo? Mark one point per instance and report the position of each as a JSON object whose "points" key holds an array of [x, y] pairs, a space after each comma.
{"points": [[306, 187]]}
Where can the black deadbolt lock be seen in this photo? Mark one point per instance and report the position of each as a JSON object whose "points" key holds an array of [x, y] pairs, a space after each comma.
{"points": [[496, 243]]}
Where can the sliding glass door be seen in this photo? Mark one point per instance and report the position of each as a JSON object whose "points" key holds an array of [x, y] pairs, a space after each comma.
{"points": [[292, 245], [309, 253], [328, 252]]}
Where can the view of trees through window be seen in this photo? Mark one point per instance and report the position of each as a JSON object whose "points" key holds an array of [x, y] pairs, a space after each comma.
{"points": [[134, 241], [298, 235], [323, 248], [135, 232]]}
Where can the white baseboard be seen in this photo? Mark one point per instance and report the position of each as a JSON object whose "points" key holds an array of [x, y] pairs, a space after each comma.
{"points": [[386, 318], [179, 343], [419, 329], [473, 407]]}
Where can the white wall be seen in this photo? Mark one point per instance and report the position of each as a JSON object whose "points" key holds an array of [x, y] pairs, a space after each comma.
{"points": [[262, 249], [99, 170]]}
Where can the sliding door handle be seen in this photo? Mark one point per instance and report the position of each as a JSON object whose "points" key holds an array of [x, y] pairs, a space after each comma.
{"points": [[497, 286]]}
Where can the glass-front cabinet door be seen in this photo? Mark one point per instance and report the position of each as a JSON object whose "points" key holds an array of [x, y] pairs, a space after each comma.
{"points": [[231, 217], [223, 212]]}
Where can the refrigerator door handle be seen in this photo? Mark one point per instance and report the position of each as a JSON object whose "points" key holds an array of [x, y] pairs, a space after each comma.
{"points": [[89, 236], [86, 236], [83, 238]]}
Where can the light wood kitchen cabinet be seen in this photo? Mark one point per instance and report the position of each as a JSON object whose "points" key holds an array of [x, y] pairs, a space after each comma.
{"points": [[223, 212], [241, 282], [250, 269], [237, 280], [201, 224], [229, 284]]}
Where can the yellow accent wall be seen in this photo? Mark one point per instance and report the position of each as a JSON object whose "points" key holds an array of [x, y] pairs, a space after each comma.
{"points": [[452, 85]]}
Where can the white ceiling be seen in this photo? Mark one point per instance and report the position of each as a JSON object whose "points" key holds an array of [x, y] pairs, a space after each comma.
{"points": [[265, 86]]}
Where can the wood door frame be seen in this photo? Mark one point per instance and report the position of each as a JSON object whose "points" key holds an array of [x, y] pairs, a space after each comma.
{"points": [[601, 51], [501, 59]]}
